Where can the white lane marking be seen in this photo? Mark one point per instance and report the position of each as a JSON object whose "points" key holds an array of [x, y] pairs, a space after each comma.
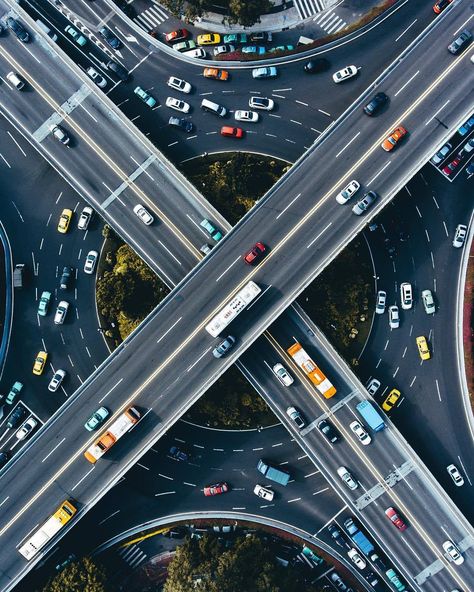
{"points": [[5, 500], [318, 235], [19, 147], [165, 477], [396, 372], [379, 173], [255, 449], [280, 97], [461, 27], [440, 109], [437, 388], [170, 329], [432, 259], [81, 480], [316, 130], [311, 474], [290, 204], [108, 392], [403, 32], [143, 466], [281, 89], [404, 352], [412, 382], [290, 141], [296, 499], [320, 491], [227, 269], [18, 212], [332, 519], [165, 493], [445, 228], [386, 344], [199, 359], [301, 103], [237, 450], [279, 444], [348, 144], [273, 115], [190, 484], [297, 122], [464, 469], [108, 517], [324, 112], [50, 453], [406, 83], [419, 213], [170, 253], [427, 236]]}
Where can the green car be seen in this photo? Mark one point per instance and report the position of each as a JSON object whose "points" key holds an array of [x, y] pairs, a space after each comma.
{"points": [[96, 419], [44, 303], [185, 45], [14, 392], [145, 97]]}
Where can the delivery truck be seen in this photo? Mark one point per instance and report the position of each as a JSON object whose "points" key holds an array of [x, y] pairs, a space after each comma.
{"points": [[272, 473]]}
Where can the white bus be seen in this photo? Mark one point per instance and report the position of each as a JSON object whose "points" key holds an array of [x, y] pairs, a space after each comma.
{"points": [[48, 530], [240, 301]]}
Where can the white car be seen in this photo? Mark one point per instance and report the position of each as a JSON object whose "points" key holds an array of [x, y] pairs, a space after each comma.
{"points": [[455, 475], [282, 374], [249, 116], [344, 74], [96, 77], [356, 558], [406, 295], [59, 134], [347, 478], [459, 236], [393, 317], [441, 154], [16, 80], [143, 214], [264, 493], [381, 302], [222, 49], [348, 192], [453, 552], [179, 84], [261, 103], [61, 312], [360, 432], [26, 428], [373, 386], [85, 218], [178, 105], [198, 52], [428, 302], [56, 381], [90, 262]]}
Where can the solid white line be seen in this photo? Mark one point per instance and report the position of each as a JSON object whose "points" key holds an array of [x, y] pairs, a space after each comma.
{"points": [[50, 453], [143, 466], [111, 515], [199, 359], [81, 480], [406, 83], [170, 329], [165, 476], [6, 499], [227, 269], [464, 469], [165, 493], [330, 520], [437, 388], [348, 144]]}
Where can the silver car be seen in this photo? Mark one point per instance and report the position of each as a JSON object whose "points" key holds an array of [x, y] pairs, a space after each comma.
{"points": [[56, 381], [381, 302], [428, 302], [364, 204], [61, 312], [393, 317], [348, 479], [283, 376]]}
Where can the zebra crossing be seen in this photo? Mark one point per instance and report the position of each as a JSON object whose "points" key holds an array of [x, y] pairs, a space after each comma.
{"points": [[307, 8], [151, 17], [132, 555], [329, 22]]}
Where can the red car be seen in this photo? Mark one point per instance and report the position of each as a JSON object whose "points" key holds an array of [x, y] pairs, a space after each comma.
{"points": [[449, 168], [232, 132], [255, 254], [178, 35], [216, 489], [395, 519], [441, 5]]}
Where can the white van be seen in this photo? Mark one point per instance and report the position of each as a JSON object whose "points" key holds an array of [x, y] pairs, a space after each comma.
{"points": [[46, 30], [212, 107]]}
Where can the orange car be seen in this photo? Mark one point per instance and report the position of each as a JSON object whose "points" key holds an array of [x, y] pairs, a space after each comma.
{"points": [[398, 133], [233, 132], [441, 5], [216, 74]]}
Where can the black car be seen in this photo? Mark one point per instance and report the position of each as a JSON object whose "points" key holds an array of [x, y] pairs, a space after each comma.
{"points": [[317, 65], [18, 29], [179, 453], [110, 38], [16, 417], [470, 169], [118, 70], [66, 277], [375, 104], [182, 123], [329, 431], [336, 534], [3, 459]]}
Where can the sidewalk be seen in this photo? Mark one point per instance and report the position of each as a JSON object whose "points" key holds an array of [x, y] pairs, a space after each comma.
{"points": [[336, 16]]}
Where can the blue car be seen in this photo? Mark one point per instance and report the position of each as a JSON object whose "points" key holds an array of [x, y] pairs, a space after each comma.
{"points": [[178, 453], [257, 49], [268, 72], [465, 127], [235, 38]]}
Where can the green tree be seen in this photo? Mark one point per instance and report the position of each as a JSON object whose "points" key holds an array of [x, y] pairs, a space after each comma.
{"points": [[80, 576], [247, 12]]}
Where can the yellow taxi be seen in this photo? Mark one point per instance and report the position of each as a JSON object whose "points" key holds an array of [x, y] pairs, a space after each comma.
{"points": [[423, 348], [64, 221], [391, 400], [208, 39], [40, 363]]}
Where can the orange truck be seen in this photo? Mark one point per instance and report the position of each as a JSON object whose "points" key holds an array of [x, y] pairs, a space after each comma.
{"points": [[115, 431], [302, 359]]}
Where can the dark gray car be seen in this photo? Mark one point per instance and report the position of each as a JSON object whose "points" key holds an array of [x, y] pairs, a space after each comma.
{"points": [[364, 204], [18, 29], [460, 42]]}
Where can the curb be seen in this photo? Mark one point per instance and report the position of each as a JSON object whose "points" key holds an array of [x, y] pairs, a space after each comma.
{"points": [[9, 298]]}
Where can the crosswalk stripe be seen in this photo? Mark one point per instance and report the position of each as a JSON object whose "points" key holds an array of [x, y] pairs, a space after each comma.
{"points": [[334, 25], [151, 17]]}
